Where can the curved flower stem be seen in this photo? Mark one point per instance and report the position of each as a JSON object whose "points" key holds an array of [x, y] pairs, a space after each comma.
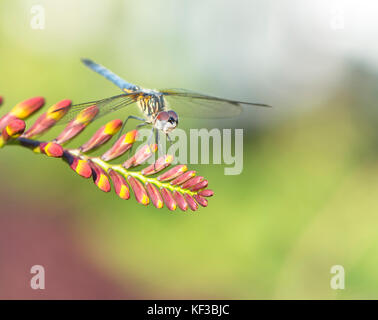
{"points": [[135, 174], [30, 143]]}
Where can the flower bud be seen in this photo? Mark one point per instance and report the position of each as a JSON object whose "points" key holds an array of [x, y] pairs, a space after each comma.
{"points": [[191, 203], [206, 193], [58, 110], [200, 200], [48, 119], [159, 165], [13, 130], [120, 185], [180, 200], [140, 156], [173, 173], [123, 144], [78, 124], [139, 191], [21, 111], [26, 108], [168, 199], [78, 165], [155, 195], [192, 182], [201, 185], [102, 135], [184, 177], [100, 177], [51, 149]]}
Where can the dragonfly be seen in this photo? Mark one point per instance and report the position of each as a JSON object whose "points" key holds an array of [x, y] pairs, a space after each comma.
{"points": [[155, 105]]}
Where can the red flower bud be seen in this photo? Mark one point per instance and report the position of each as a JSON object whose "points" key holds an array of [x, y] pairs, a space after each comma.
{"points": [[191, 203], [184, 177], [51, 149], [140, 156], [58, 110], [15, 128], [144, 153], [155, 195], [100, 177], [22, 110], [206, 193], [25, 108], [139, 191], [183, 205], [159, 165], [78, 124], [78, 165], [48, 119], [173, 173], [123, 144], [120, 185], [168, 199], [192, 182], [201, 185], [87, 115], [102, 135], [200, 200]]}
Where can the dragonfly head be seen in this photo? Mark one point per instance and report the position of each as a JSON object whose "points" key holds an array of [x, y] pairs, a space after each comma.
{"points": [[166, 121]]}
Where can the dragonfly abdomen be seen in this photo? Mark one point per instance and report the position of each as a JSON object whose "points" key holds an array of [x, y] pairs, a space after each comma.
{"points": [[118, 81]]}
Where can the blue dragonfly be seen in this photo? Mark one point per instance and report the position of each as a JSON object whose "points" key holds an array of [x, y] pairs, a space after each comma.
{"points": [[155, 104]]}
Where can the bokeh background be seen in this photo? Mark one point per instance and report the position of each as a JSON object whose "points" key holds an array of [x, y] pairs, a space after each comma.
{"points": [[306, 200]]}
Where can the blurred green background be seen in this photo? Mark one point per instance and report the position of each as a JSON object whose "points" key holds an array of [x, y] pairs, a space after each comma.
{"points": [[305, 201]]}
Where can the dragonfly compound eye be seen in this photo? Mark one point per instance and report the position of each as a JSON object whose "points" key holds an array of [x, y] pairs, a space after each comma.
{"points": [[163, 116], [173, 117]]}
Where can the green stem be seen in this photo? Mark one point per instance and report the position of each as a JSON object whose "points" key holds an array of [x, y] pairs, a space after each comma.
{"points": [[136, 174]]}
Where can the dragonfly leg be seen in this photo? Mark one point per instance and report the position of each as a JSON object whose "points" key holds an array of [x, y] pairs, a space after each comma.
{"points": [[157, 142], [138, 126], [142, 125], [159, 145], [124, 124], [149, 141], [170, 140]]}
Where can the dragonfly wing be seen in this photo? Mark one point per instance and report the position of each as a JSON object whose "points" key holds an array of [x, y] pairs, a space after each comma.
{"points": [[196, 105], [105, 106]]}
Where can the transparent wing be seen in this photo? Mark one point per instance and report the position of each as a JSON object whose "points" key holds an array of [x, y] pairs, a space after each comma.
{"points": [[196, 105], [105, 106]]}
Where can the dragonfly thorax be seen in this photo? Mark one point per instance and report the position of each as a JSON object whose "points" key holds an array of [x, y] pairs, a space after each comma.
{"points": [[151, 103], [154, 106]]}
